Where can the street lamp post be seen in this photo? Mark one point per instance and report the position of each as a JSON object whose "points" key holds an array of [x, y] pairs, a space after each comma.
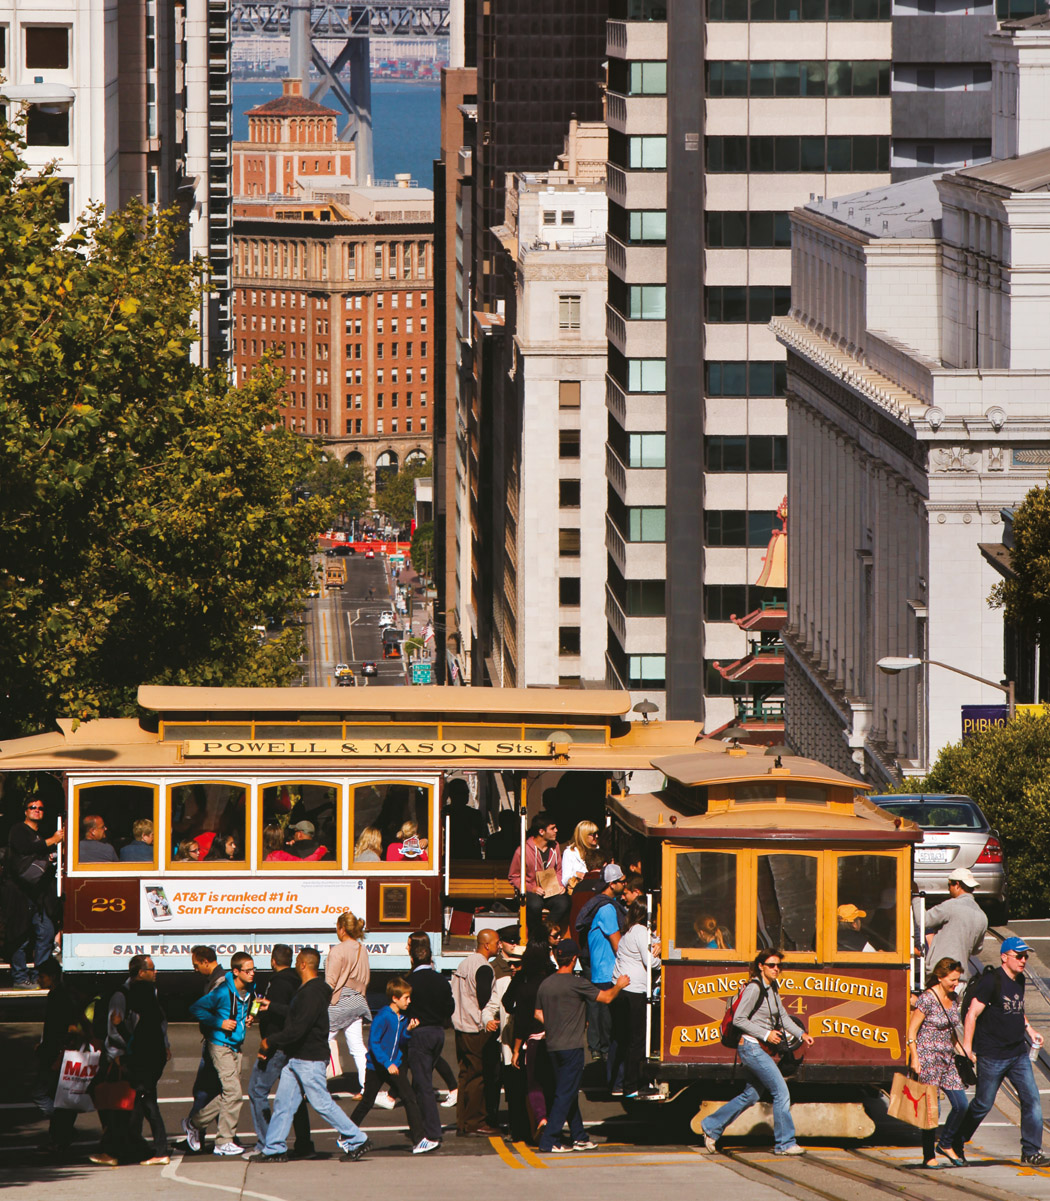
{"points": [[894, 666]]}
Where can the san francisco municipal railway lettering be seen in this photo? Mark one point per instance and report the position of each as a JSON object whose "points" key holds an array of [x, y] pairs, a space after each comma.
{"points": [[366, 748]]}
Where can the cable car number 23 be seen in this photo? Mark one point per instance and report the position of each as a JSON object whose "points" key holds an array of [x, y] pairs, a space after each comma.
{"points": [[108, 904]]}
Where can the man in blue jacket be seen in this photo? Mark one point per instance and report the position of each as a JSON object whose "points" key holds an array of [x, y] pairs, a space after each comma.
{"points": [[223, 1015]]}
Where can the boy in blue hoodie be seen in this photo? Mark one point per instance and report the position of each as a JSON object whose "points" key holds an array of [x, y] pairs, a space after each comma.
{"points": [[223, 1015], [386, 1045]]}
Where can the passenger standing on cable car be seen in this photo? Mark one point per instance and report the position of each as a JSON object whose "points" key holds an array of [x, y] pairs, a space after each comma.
{"points": [[764, 1024]]}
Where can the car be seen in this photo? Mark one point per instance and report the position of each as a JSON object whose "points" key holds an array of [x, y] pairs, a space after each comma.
{"points": [[370, 553], [313, 592], [386, 618], [955, 834], [368, 668], [343, 669], [346, 681]]}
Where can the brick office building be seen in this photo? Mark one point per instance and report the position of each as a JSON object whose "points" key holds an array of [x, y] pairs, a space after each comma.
{"points": [[343, 291]]}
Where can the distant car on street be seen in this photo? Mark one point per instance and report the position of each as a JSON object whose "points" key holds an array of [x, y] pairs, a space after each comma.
{"points": [[343, 669], [955, 834], [370, 553], [368, 668], [386, 618]]}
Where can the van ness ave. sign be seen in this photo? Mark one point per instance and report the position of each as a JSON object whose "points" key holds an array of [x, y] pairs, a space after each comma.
{"points": [[364, 748]]}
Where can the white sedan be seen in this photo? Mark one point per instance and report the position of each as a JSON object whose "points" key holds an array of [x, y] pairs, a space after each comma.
{"points": [[386, 618]]}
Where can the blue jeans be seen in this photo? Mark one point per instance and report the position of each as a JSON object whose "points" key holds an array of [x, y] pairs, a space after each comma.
{"points": [[568, 1074], [265, 1075], [305, 1078], [945, 1136], [990, 1075], [764, 1074], [41, 942]]}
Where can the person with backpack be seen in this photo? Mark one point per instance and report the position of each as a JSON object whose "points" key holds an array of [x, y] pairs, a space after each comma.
{"points": [[223, 1012], [934, 1033], [598, 927], [997, 1032], [760, 1026]]}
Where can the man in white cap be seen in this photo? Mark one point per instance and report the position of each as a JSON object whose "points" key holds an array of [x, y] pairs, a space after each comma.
{"points": [[955, 928]]}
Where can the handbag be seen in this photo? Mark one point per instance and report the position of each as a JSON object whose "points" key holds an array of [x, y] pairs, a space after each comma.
{"points": [[548, 883], [963, 1063], [112, 1090], [913, 1103]]}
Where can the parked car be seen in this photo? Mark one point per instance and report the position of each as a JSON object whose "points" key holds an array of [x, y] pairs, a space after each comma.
{"points": [[955, 833]]}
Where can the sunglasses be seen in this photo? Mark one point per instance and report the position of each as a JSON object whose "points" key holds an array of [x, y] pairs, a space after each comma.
{"points": [[1018, 954], [773, 966]]}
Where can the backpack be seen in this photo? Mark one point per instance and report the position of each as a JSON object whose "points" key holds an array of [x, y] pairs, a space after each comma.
{"points": [[732, 1033], [583, 927], [969, 993]]}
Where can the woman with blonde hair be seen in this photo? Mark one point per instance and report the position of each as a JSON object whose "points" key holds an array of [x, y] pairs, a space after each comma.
{"points": [[407, 845], [346, 973], [584, 846], [369, 847]]}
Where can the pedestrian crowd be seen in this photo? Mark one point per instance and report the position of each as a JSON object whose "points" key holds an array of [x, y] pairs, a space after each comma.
{"points": [[526, 1006]]}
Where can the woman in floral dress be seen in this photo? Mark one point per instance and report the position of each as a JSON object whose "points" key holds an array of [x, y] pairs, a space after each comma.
{"points": [[933, 1033]]}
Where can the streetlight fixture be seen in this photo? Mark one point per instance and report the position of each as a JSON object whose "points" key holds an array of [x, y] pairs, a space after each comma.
{"points": [[893, 666]]}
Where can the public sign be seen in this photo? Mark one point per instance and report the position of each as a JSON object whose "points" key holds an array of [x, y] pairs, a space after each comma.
{"points": [[363, 748], [248, 903], [977, 719], [421, 673]]}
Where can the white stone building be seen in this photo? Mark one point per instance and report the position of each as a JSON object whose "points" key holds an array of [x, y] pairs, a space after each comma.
{"points": [[552, 431], [918, 408]]}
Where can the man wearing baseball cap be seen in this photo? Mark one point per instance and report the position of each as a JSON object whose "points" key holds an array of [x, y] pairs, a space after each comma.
{"points": [[599, 923], [997, 1032], [955, 929], [561, 1005]]}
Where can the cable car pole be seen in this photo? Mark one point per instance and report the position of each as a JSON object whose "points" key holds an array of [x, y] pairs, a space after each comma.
{"points": [[523, 795], [649, 977]]}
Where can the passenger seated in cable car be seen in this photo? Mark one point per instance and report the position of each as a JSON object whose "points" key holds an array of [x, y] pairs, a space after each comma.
{"points": [[407, 845], [369, 847], [225, 848], [710, 935], [851, 936], [189, 851]]}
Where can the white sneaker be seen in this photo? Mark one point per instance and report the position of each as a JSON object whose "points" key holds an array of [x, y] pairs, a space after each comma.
{"points": [[710, 1144], [385, 1101], [794, 1149], [424, 1145], [227, 1149], [193, 1135], [451, 1099]]}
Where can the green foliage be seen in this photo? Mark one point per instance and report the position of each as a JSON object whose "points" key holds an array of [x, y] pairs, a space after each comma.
{"points": [[423, 550], [149, 509], [346, 484], [1026, 595], [396, 494], [1004, 770]]}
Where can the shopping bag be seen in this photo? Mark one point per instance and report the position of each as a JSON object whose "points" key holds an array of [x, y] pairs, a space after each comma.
{"points": [[75, 1074], [913, 1103]]}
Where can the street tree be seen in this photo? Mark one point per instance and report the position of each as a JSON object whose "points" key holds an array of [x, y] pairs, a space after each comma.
{"points": [[149, 509], [344, 482], [396, 494], [1004, 770], [422, 550], [1025, 595]]}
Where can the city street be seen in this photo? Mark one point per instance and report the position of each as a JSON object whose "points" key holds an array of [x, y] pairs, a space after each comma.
{"points": [[342, 625]]}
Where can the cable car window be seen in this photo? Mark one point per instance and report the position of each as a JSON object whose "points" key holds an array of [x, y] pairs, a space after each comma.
{"points": [[744, 794], [300, 823], [115, 825], [208, 823], [705, 892], [805, 794], [178, 732], [866, 903], [787, 902], [392, 824]]}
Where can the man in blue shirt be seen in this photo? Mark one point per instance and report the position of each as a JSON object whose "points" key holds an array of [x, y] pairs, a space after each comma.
{"points": [[603, 937], [93, 845], [141, 850]]}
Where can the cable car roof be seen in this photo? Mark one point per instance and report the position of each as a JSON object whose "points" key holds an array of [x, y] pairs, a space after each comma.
{"points": [[742, 765]]}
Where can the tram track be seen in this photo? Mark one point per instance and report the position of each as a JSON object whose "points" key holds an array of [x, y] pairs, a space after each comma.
{"points": [[818, 1174]]}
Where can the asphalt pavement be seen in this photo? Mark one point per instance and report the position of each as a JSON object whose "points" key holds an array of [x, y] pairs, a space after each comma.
{"points": [[342, 624]]}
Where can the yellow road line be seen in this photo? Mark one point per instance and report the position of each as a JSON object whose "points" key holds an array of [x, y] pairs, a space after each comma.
{"points": [[530, 1156], [504, 1152]]}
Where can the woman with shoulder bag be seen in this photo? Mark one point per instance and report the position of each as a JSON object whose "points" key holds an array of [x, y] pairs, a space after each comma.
{"points": [[347, 973], [934, 1038], [765, 1027]]}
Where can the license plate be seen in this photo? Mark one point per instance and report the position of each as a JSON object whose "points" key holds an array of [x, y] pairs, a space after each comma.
{"points": [[933, 854]]}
